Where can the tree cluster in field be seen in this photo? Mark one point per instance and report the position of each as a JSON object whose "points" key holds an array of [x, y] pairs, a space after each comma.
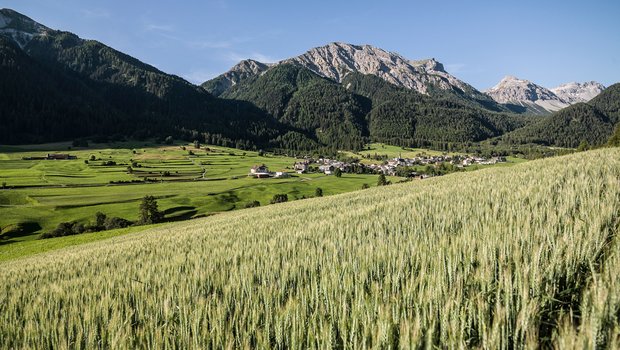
{"points": [[439, 169], [102, 223], [252, 204], [279, 198], [148, 214]]}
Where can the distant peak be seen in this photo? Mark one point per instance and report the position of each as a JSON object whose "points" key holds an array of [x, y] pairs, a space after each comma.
{"points": [[509, 78], [579, 92], [19, 27], [12, 19], [250, 63], [510, 81]]}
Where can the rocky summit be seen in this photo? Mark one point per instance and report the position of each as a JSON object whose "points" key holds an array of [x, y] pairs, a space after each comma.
{"points": [[540, 100], [336, 60], [242, 70], [521, 92], [19, 27], [578, 92]]}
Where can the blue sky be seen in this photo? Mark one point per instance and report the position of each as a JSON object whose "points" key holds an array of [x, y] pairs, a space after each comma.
{"points": [[547, 42]]}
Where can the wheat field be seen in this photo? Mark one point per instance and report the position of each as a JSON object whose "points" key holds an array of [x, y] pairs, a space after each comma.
{"points": [[520, 257]]}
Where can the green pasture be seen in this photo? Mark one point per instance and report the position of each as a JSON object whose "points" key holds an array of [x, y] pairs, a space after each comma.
{"points": [[40, 194], [187, 182], [381, 149]]}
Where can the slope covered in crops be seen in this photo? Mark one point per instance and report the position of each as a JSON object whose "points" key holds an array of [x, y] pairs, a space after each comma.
{"points": [[499, 258]]}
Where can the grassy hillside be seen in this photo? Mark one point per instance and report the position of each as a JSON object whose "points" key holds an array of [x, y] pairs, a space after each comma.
{"points": [[500, 258], [40, 194]]}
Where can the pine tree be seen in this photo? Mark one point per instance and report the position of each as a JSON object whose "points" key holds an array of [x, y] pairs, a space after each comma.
{"points": [[382, 181], [583, 146], [149, 213]]}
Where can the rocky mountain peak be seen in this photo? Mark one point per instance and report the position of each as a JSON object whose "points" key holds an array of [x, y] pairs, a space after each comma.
{"points": [[521, 92], [578, 92], [250, 66], [336, 60], [19, 27], [242, 70], [511, 88]]}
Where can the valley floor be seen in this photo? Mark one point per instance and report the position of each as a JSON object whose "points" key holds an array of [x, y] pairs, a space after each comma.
{"points": [[38, 194], [499, 258]]}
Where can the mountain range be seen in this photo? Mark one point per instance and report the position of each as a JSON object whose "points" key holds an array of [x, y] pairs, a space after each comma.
{"points": [[57, 86], [539, 100], [592, 122], [337, 60]]}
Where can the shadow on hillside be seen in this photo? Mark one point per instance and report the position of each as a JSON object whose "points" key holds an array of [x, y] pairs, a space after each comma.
{"points": [[18, 230], [180, 213]]}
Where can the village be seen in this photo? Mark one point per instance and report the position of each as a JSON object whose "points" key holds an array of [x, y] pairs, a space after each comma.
{"points": [[392, 167]]}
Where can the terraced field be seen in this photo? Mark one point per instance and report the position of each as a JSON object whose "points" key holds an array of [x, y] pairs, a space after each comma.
{"points": [[520, 257], [186, 181]]}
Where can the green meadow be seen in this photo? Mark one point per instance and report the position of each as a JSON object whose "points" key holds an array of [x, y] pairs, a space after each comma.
{"points": [[382, 149], [524, 257], [188, 183]]}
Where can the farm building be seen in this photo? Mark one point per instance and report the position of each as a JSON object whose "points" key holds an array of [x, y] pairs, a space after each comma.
{"points": [[260, 171], [301, 167]]}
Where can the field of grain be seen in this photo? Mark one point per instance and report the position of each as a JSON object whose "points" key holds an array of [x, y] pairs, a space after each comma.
{"points": [[500, 258]]}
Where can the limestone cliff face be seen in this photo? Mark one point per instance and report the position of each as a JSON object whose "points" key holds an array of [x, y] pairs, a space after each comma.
{"points": [[19, 27], [241, 71], [336, 60], [578, 92], [537, 99]]}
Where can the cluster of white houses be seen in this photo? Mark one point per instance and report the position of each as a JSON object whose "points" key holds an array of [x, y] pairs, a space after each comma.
{"points": [[328, 166]]}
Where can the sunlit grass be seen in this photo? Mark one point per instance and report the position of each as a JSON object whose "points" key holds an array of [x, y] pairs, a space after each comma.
{"points": [[498, 258]]}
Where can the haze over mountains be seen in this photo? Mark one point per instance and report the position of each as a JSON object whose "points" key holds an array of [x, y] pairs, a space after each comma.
{"points": [[57, 86]]}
